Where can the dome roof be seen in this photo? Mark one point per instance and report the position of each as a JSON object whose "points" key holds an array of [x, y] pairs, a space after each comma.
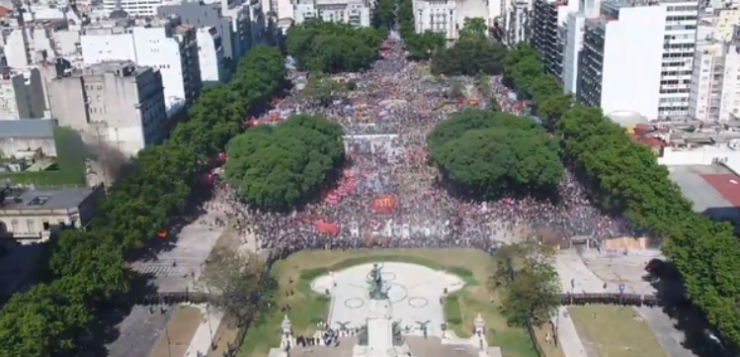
{"points": [[118, 14]]}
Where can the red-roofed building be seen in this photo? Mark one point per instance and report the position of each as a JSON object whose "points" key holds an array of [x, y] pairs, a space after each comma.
{"points": [[5, 12]]}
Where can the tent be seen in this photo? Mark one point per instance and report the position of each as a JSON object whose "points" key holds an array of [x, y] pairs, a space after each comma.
{"points": [[327, 228]]}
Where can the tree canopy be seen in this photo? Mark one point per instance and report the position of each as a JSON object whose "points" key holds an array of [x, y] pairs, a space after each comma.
{"points": [[489, 154], [58, 316], [523, 70], [625, 178], [531, 289], [384, 15], [334, 47], [470, 56], [276, 167]]}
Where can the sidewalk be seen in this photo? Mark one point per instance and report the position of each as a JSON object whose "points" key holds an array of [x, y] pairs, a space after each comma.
{"points": [[201, 342]]}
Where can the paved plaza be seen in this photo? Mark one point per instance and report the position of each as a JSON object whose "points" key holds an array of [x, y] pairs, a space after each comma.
{"points": [[415, 294]]}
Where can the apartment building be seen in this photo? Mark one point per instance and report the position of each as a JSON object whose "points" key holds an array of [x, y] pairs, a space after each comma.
{"points": [[30, 42], [437, 16], [163, 43], [240, 24], [654, 84], [354, 12], [117, 103], [715, 84], [211, 56], [516, 27], [21, 94], [548, 31]]}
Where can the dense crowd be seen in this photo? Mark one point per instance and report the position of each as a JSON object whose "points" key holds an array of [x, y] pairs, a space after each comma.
{"points": [[388, 195]]}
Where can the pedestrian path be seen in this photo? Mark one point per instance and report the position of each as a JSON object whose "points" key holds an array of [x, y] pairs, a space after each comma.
{"points": [[201, 342], [568, 338]]}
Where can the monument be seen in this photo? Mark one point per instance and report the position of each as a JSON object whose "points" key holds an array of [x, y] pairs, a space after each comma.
{"points": [[381, 335]]}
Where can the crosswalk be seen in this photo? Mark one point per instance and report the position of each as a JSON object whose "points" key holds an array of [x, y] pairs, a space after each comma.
{"points": [[161, 271]]}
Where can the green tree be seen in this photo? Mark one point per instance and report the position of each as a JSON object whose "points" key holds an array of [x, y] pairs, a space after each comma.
{"points": [[491, 158], [277, 167], [423, 46], [322, 89], [469, 58], [474, 29], [528, 281], [385, 14], [235, 283], [333, 47], [59, 317], [91, 267], [40, 322]]}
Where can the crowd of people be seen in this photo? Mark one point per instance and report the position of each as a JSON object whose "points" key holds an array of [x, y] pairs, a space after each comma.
{"points": [[389, 196]]}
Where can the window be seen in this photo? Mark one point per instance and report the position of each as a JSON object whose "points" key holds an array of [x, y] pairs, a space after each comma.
{"points": [[14, 226], [31, 226]]}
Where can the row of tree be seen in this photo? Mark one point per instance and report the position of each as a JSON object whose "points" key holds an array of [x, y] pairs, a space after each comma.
{"points": [[86, 268], [278, 166], [524, 71], [473, 53], [490, 154], [331, 47], [625, 179]]}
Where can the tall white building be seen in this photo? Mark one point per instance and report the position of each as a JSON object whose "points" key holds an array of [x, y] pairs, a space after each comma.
{"points": [[715, 90], [35, 41], [118, 104], [516, 26], [548, 31], [715, 83], [354, 12], [637, 57], [161, 43], [211, 56], [437, 16], [575, 23], [135, 7], [21, 94]]}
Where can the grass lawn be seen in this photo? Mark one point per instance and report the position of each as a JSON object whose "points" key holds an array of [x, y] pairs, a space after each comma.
{"points": [[180, 329], [473, 266], [614, 331]]}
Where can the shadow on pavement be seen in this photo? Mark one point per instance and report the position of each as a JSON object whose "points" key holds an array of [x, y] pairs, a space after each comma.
{"points": [[699, 336]]}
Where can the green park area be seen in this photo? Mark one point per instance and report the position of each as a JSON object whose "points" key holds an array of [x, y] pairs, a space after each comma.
{"points": [[614, 331], [461, 308], [67, 169]]}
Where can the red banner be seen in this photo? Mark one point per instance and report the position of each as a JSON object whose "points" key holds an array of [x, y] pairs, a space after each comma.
{"points": [[384, 204]]}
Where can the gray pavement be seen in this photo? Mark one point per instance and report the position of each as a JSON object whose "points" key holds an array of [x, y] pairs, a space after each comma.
{"points": [[173, 270], [139, 332], [589, 271]]}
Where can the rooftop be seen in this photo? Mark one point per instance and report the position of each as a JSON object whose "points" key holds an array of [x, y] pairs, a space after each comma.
{"points": [[27, 128], [34, 199], [713, 190]]}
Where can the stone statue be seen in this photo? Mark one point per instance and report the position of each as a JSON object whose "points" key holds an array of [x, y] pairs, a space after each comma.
{"points": [[378, 290]]}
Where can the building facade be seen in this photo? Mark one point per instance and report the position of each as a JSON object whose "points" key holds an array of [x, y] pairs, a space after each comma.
{"points": [[28, 215], [436, 16], [234, 25], [654, 84], [516, 26], [21, 94], [549, 31], [211, 56], [116, 104], [163, 43], [715, 83], [354, 12]]}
